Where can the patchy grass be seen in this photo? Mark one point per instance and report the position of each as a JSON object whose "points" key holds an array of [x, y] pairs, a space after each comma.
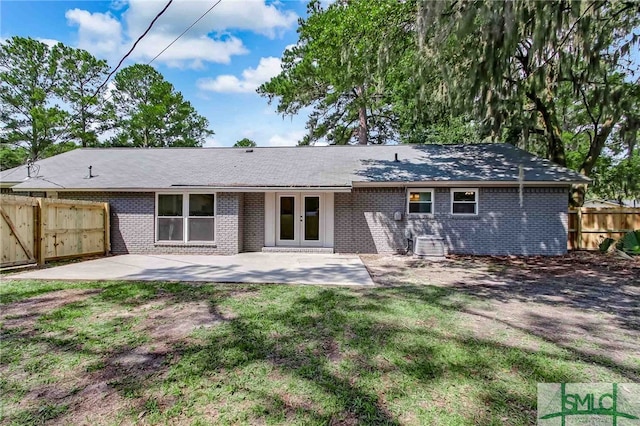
{"points": [[128, 352]]}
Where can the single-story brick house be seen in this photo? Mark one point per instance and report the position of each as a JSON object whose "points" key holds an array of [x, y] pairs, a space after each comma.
{"points": [[480, 199]]}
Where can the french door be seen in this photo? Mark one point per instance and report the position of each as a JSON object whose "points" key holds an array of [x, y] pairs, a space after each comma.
{"points": [[299, 220]]}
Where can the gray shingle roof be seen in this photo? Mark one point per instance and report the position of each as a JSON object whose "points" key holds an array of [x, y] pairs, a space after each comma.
{"points": [[327, 166]]}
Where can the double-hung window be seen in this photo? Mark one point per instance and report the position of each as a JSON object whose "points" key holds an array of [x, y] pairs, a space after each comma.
{"points": [[464, 201], [185, 217], [420, 201]]}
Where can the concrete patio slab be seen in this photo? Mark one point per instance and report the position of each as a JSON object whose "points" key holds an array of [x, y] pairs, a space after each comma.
{"points": [[285, 268]]}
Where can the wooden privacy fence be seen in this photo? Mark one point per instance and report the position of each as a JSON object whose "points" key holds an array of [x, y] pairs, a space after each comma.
{"points": [[588, 226], [34, 230]]}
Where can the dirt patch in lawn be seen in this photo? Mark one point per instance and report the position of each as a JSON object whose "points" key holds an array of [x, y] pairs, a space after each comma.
{"points": [[585, 302], [25, 313], [92, 394]]}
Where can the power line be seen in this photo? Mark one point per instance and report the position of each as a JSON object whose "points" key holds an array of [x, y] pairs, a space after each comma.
{"points": [[164, 9], [155, 57], [184, 32]]}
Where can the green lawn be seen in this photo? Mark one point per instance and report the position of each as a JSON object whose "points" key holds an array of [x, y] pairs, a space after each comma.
{"points": [[267, 354]]}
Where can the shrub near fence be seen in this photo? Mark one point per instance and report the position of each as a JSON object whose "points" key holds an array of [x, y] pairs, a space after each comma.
{"points": [[34, 230], [588, 226]]}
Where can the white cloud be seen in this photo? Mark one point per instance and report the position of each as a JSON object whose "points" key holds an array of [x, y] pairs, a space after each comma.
{"points": [[251, 15], [250, 80], [108, 91], [212, 142], [99, 33], [189, 52], [286, 139], [106, 36], [48, 41]]}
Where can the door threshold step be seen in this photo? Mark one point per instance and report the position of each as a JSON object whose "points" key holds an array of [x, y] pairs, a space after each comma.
{"points": [[320, 250]]}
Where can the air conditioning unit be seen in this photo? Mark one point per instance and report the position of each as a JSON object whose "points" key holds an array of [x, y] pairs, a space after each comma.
{"points": [[429, 246]]}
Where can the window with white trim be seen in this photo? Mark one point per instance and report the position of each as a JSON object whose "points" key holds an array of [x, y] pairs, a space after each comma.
{"points": [[464, 201], [420, 201], [185, 217]]}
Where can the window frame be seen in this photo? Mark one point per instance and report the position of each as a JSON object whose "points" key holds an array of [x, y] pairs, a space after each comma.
{"points": [[185, 218], [433, 201], [476, 201]]}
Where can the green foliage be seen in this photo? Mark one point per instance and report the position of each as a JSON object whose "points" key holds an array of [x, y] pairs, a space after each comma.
{"points": [[333, 70], [82, 75], [479, 69], [149, 112], [245, 142], [29, 80], [515, 60], [60, 148], [452, 130], [606, 244], [12, 156], [616, 179], [534, 71], [49, 103], [631, 242]]}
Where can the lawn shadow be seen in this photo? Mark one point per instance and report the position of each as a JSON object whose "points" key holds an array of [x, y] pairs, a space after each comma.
{"points": [[360, 350]]}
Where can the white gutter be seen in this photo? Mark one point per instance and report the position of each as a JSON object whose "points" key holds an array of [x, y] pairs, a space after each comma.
{"points": [[198, 189], [345, 188]]}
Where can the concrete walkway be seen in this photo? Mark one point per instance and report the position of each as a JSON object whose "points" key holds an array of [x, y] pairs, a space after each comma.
{"points": [[286, 268]]}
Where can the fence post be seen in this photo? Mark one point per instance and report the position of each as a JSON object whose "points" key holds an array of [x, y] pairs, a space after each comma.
{"points": [[579, 228], [107, 229], [40, 246]]}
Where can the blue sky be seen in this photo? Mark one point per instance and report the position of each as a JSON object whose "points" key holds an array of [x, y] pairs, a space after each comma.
{"points": [[217, 65]]}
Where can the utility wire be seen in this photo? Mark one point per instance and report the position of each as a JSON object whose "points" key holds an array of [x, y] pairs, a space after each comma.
{"points": [[185, 31], [155, 57], [164, 9], [143, 35]]}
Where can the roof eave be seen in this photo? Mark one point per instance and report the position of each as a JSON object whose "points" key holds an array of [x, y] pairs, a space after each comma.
{"points": [[8, 184], [471, 183], [186, 188]]}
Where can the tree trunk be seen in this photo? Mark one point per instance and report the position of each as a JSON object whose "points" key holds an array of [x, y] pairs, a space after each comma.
{"points": [[363, 129], [595, 149], [577, 195], [555, 146], [84, 109], [597, 145]]}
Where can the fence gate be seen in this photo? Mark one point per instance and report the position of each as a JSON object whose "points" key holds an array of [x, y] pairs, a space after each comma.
{"points": [[18, 226], [34, 230]]}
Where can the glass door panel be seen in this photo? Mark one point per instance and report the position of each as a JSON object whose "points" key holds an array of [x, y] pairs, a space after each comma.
{"points": [[312, 218], [287, 218]]}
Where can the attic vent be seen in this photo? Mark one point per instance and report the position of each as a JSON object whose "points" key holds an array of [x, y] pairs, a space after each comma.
{"points": [[248, 150], [396, 158], [429, 245]]}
